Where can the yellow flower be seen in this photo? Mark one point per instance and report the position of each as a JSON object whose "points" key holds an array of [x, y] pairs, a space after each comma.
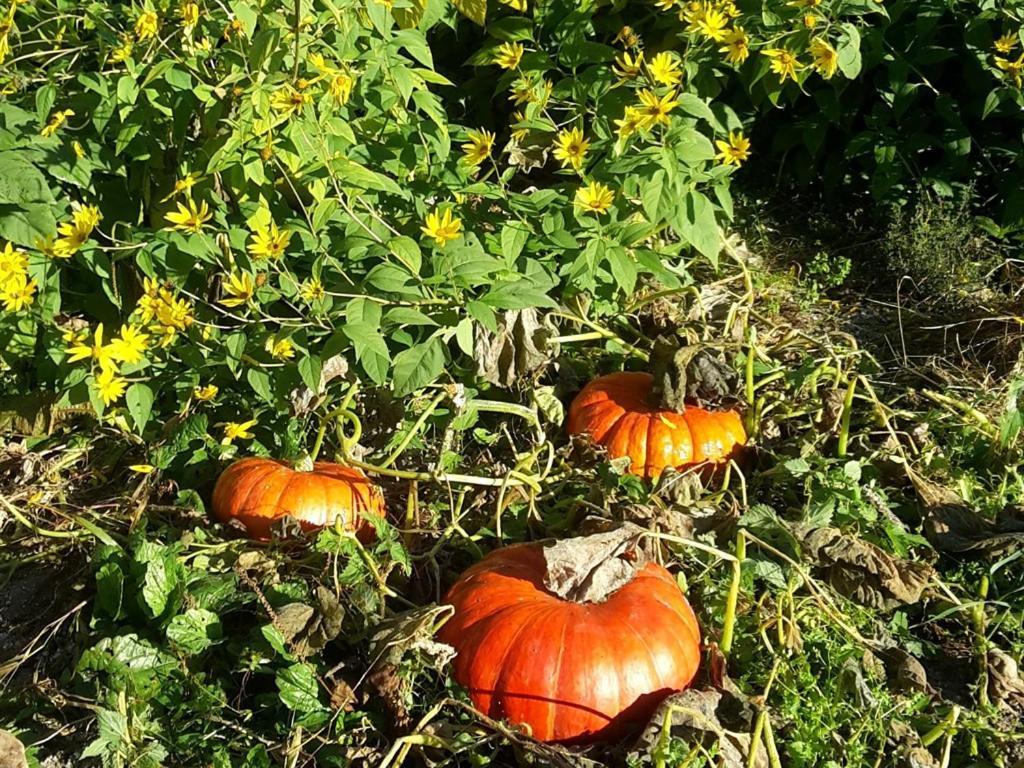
{"points": [[478, 148], [734, 151], [654, 110], [142, 469], [340, 87], [17, 292], [280, 349], [110, 386], [289, 100], [234, 29], [524, 91], [664, 68], [594, 198], [571, 148], [704, 19], [104, 354], [123, 51], [190, 218], [665, 5], [519, 133], [736, 46], [131, 344], [630, 123], [515, 5], [181, 185], [442, 227], [627, 37], [205, 394], [56, 121], [189, 14], [78, 149], [826, 60], [811, 20], [239, 287], [86, 218], [13, 263], [509, 55], [1006, 43], [147, 25], [783, 63], [1013, 69], [627, 67], [729, 8], [312, 290], [235, 431], [269, 242]]}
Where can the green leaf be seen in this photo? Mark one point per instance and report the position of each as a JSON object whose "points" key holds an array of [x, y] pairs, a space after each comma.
{"points": [[127, 90], [407, 251], [849, 51], [513, 240], [299, 690], [21, 182], [259, 380], [139, 399], [195, 630], [418, 366], [474, 10], [309, 370]]}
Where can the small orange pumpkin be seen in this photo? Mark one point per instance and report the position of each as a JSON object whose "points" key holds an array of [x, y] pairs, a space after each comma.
{"points": [[571, 671], [615, 411], [257, 492]]}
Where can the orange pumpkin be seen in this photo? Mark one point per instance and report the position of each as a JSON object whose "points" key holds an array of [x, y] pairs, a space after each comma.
{"points": [[257, 492], [615, 411], [571, 672]]}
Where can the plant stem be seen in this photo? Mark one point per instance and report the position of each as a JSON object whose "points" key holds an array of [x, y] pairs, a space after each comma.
{"points": [[844, 421], [981, 643], [393, 457], [731, 599]]}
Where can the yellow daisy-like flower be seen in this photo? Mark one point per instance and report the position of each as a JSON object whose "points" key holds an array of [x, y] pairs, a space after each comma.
{"points": [[571, 148], [269, 242], [1013, 69], [705, 20], [130, 345], [182, 186], [190, 218], [811, 20], [654, 110], [627, 66], [13, 263], [78, 149], [235, 431], [442, 226], [234, 29], [519, 133], [783, 63], [509, 55], [736, 46], [122, 52], [1006, 43], [205, 394], [110, 386], [188, 12], [289, 100], [56, 121], [826, 60], [594, 198], [340, 87], [478, 148], [632, 120], [147, 25], [665, 5], [17, 293], [104, 354], [280, 349], [312, 290], [734, 151], [664, 69], [239, 288], [729, 8]]}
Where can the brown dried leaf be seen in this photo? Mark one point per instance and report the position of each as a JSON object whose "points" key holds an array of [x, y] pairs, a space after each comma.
{"points": [[861, 571], [12, 751], [519, 349], [903, 671], [411, 631], [705, 717], [1005, 684], [588, 569], [303, 399], [688, 373], [951, 525]]}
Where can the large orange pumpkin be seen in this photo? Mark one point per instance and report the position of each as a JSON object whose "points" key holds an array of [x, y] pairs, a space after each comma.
{"points": [[257, 492], [572, 672], [615, 411]]}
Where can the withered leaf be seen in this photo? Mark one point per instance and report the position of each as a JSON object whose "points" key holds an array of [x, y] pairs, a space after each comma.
{"points": [[408, 632], [852, 682], [307, 629], [520, 348], [862, 571], [951, 525], [706, 717], [590, 568], [12, 751], [1005, 684], [903, 671], [303, 399], [687, 374]]}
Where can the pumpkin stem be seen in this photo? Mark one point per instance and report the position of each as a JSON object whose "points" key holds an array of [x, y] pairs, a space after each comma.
{"points": [[303, 464], [669, 362]]}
